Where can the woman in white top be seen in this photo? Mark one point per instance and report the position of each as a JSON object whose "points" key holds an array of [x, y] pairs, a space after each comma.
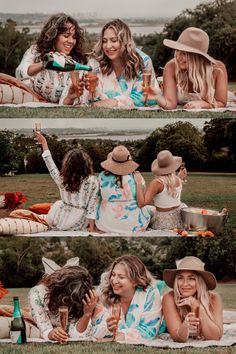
{"points": [[78, 189], [192, 78], [62, 34], [164, 190]]}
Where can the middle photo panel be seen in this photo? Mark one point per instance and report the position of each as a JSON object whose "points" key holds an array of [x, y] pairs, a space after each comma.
{"points": [[115, 177]]}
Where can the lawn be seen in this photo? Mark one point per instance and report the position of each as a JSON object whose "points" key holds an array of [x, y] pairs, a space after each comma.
{"points": [[214, 191], [88, 112]]}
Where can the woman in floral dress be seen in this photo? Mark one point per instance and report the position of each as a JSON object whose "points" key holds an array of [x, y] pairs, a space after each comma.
{"points": [[119, 66], [118, 211], [61, 34], [78, 189]]}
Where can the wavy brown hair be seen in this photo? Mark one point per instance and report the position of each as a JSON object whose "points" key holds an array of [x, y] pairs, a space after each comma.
{"points": [[132, 61], [76, 167], [67, 287], [136, 271], [58, 24]]}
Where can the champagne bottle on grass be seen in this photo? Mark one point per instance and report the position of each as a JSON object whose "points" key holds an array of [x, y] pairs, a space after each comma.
{"points": [[60, 62], [18, 329]]}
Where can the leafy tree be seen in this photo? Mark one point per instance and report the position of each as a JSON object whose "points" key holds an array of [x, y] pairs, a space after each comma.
{"points": [[8, 156]]}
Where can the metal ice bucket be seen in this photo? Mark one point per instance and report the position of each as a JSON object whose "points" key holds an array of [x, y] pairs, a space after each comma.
{"points": [[194, 220]]}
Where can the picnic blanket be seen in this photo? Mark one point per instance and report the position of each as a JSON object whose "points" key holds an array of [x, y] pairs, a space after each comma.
{"points": [[230, 107], [164, 341]]}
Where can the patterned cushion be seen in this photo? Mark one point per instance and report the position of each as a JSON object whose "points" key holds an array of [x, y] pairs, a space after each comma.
{"points": [[16, 95], [12, 226], [41, 208]]}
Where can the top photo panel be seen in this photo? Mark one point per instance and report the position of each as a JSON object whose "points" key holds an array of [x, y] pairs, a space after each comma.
{"points": [[160, 59]]}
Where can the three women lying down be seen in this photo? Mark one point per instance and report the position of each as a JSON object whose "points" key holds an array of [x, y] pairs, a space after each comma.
{"points": [[128, 304], [117, 200]]}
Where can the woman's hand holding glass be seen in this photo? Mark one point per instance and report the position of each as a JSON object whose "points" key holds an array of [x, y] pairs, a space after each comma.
{"points": [[112, 322], [91, 81], [58, 334]]}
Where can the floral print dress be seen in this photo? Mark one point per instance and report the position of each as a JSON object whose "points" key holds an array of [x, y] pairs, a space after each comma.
{"points": [[142, 320], [74, 209], [129, 94], [118, 210], [51, 85]]}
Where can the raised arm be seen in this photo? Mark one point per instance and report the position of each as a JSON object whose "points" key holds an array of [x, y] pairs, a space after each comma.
{"points": [[144, 198]]}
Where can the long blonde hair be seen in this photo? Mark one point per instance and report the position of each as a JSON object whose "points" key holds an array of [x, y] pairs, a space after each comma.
{"points": [[202, 294], [200, 74], [132, 61], [169, 181]]}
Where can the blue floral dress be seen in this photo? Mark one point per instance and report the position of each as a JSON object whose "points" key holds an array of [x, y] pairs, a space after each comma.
{"points": [[118, 211], [129, 94], [142, 320]]}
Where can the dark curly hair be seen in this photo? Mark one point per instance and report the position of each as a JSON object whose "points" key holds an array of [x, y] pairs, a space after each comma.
{"points": [[58, 24], [132, 61], [76, 167], [67, 287]]}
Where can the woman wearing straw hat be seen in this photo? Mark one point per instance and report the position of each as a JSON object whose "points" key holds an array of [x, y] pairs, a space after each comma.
{"points": [[191, 309], [192, 78], [164, 190], [118, 210]]}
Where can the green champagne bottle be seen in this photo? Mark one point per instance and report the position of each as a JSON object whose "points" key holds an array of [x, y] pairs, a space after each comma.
{"points": [[60, 62], [18, 330]]}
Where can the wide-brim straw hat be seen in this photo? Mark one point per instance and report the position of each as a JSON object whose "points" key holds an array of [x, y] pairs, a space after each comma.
{"points": [[190, 263], [119, 162], [192, 40], [165, 163]]}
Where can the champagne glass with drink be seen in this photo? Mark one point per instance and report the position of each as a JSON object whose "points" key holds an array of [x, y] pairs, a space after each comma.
{"points": [[75, 82], [64, 317], [116, 312], [196, 333], [37, 128], [147, 76], [183, 168], [93, 80]]}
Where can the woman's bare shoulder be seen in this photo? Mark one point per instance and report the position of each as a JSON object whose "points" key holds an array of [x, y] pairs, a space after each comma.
{"points": [[170, 65]]}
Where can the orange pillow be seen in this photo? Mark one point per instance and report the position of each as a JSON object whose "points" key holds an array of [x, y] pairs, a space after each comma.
{"points": [[41, 208]]}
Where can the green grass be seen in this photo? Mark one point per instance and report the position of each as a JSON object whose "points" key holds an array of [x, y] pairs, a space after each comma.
{"points": [[87, 112], [105, 348]]}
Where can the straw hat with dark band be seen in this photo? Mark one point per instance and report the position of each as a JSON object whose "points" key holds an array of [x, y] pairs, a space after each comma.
{"points": [[193, 264], [165, 163], [192, 40], [119, 162]]}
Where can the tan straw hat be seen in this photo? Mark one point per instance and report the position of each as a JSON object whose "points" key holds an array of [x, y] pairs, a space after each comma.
{"points": [[165, 163], [119, 162], [193, 40], [193, 264]]}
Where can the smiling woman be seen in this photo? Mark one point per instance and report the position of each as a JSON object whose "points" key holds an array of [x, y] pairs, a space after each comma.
{"points": [[61, 33]]}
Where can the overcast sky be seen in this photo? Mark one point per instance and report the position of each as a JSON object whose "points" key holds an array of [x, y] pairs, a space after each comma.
{"points": [[101, 124], [102, 8]]}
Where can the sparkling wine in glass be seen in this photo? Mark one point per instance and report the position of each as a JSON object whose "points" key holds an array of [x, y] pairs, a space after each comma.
{"points": [[75, 82], [63, 317], [116, 312], [93, 80], [147, 77], [37, 128], [182, 168], [196, 333]]}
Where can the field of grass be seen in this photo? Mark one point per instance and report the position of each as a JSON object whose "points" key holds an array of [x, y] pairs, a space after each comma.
{"points": [[201, 190], [88, 112]]}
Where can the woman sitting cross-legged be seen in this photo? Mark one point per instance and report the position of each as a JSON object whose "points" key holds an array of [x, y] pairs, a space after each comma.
{"points": [[191, 308], [78, 189], [164, 190], [119, 65], [118, 210], [129, 287]]}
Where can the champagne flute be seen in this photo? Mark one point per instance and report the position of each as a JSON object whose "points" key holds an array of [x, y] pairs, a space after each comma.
{"points": [[196, 334], [147, 76], [182, 168], [37, 128], [93, 79], [116, 312], [64, 318], [75, 82]]}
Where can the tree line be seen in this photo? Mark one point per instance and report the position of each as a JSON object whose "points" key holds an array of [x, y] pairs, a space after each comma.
{"points": [[21, 258], [216, 17], [212, 149]]}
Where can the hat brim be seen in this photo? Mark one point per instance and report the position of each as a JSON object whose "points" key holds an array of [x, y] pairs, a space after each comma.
{"points": [[159, 171], [170, 274], [120, 169], [185, 48]]}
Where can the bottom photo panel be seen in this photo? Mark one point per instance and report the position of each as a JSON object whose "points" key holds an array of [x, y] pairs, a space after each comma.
{"points": [[116, 295]]}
